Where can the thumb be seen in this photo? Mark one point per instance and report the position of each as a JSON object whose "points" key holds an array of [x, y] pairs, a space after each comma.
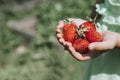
{"points": [[100, 46]]}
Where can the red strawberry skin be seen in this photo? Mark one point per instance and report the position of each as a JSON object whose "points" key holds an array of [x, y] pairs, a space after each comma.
{"points": [[94, 36], [81, 45], [90, 26], [68, 25], [69, 32]]}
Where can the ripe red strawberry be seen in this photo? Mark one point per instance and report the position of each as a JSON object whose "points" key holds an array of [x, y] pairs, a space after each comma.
{"points": [[86, 27], [81, 45], [94, 36], [69, 32], [88, 31], [89, 26]]}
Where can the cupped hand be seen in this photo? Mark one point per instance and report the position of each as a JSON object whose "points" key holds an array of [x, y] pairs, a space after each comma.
{"points": [[95, 49]]}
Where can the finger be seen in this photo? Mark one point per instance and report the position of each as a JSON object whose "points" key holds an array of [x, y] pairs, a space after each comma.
{"points": [[59, 27], [60, 24], [62, 41], [77, 55], [78, 22], [99, 46], [68, 44], [59, 35], [65, 43], [58, 30]]}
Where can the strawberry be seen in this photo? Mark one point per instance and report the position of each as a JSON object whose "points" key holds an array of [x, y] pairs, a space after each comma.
{"points": [[88, 30], [94, 36], [89, 26], [85, 28], [69, 32], [81, 45]]}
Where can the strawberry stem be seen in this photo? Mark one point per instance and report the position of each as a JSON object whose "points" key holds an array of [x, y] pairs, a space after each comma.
{"points": [[95, 18], [68, 21], [89, 19], [92, 20]]}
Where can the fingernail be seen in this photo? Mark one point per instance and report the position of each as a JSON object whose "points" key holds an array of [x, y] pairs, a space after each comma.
{"points": [[58, 30], [61, 40], [59, 35]]}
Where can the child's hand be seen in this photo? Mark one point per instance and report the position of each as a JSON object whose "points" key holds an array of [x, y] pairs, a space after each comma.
{"points": [[96, 48]]}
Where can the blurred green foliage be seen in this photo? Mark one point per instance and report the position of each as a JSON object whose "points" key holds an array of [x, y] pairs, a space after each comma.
{"points": [[9, 1], [43, 59]]}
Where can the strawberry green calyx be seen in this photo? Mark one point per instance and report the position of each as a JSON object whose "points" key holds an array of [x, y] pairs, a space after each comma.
{"points": [[68, 21], [81, 31]]}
